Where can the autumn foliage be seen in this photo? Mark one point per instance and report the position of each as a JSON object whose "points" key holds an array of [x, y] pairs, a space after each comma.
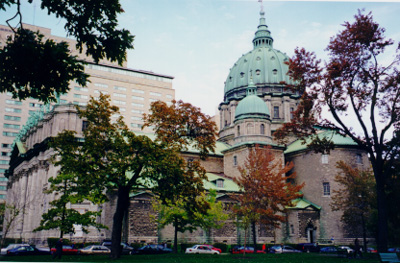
{"points": [[355, 197], [356, 92], [267, 188]]}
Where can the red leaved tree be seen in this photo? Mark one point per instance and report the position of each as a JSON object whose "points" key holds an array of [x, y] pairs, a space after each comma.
{"points": [[354, 81], [267, 189], [356, 197]]}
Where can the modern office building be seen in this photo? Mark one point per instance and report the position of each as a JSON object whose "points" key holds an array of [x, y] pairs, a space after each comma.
{"points": [[131, 90]]}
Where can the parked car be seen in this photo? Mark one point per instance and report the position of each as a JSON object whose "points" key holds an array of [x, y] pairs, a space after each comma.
{"points": [[249, 250], [95, 249], [283, 249], [328, 250], [346, 248], [26, 251], [126, 249], [374, 250], [11, 246], [201, 249], [394, 250], [308, 247], [214, 248], [154, 249], [66, 250]]}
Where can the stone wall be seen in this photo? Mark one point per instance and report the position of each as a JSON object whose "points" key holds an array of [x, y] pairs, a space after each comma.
{"points": [[315, 172]]}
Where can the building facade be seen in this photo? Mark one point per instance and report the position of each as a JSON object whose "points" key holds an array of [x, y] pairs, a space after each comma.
{"points": [[131, 90]]}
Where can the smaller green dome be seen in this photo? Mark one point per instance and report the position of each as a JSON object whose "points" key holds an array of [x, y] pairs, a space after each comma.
{"points": [[252, 106]]}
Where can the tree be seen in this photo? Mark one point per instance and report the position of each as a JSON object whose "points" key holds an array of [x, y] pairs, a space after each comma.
{"points": [[209, 215], [352, 82], [267, 188], [393, 193], [175, 214], [356, 197], [59, 216], [112, 159], [216, 214], [11, 213], [31, 66], [15, 210], [177, 127]]}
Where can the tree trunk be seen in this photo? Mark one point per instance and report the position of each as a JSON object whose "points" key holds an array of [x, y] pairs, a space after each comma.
{"points": [[175, 238], [382, 214], [63, 220], [253, 229], [364, 229], [245, 239], [122, 206]]}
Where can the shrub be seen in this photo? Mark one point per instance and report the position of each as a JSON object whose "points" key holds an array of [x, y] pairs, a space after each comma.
{"points": [[222, 246], [51, 241]]}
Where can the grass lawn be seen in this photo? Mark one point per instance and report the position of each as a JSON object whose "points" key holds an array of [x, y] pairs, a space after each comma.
{"points": [[185, 258]]}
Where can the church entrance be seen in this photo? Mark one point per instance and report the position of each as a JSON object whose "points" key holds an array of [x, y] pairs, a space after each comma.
{"points": [[311, 232]]}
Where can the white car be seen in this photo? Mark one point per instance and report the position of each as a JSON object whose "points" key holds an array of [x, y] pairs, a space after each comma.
{"points": [[348, 249], [95, 249], [200, 249], [11, 246]]}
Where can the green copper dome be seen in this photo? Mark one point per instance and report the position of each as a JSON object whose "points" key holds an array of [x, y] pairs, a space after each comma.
{"points": [[252, 106], [264, 63]]}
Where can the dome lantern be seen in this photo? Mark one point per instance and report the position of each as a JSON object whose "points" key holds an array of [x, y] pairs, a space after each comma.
{"points": [[262, 36]]}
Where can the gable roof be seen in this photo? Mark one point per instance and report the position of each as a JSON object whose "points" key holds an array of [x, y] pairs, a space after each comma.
{"points": [[302, 204], [336, 138]]}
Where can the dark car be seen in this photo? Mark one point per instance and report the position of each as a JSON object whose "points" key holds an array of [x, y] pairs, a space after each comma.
{"points": [[26, 251], [126, 249], [394, 250], [154, 249], [329, 250], [308, 247]]}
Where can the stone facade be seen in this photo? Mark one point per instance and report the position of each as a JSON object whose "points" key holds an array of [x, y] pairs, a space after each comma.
{"points": [[318, 173]]}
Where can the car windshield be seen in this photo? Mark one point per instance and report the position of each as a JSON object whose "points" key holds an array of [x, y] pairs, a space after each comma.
{"points": [[87, 248], [11, 246]]}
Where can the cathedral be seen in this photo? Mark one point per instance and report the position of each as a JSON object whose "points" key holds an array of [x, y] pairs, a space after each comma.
{"points": [[255, 104]]}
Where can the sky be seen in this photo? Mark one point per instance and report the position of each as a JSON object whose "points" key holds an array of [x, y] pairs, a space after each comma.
{"points": [[198, 41]]}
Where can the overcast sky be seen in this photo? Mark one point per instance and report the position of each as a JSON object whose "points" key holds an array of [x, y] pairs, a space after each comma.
{"points": [[198, 41]]}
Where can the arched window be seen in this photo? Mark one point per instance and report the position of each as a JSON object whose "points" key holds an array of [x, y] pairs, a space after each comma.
{"points": [[235, 160], [238, 130], [262, 129]]}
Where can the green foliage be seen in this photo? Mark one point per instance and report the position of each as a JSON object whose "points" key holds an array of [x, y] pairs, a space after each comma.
{"points": [[222, 246], [33, 67], [111, 159], [94, 26], [210, 213], [37, 68], [175, 214]]}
